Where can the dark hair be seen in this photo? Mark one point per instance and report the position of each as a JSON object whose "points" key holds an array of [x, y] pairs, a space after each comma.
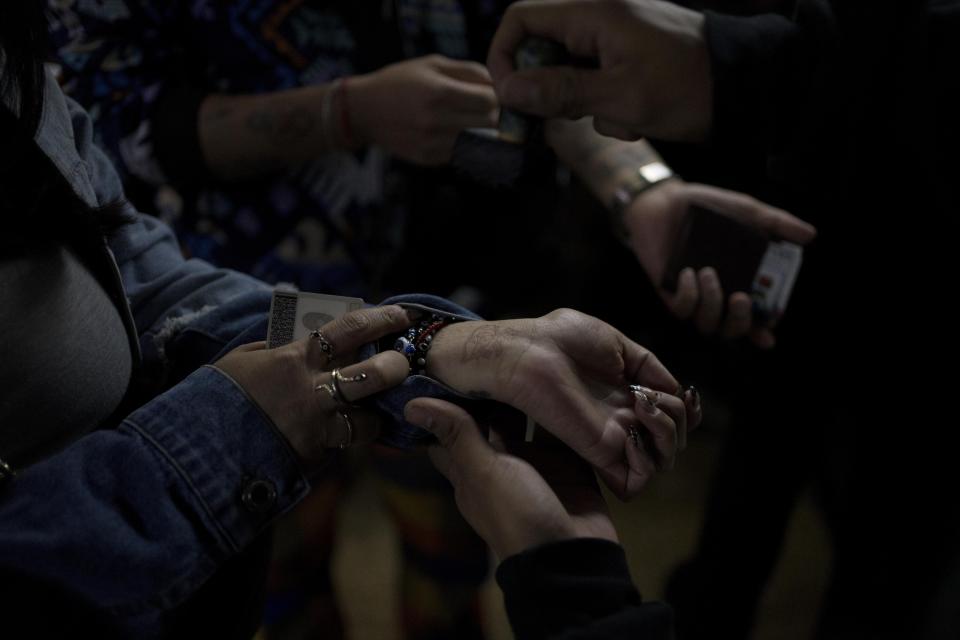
{"points": [[23, 43], [37, 203]]}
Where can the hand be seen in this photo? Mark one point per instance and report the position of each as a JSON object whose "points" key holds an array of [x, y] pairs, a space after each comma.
{"points": [[571, 374], [286, 382], [654, 219], [634, 92], [415, 109], [517, 500]]}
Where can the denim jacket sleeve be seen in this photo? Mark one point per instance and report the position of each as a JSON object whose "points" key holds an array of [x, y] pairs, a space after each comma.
{"points": [[188, 312], [126, 523], [185, 312]]}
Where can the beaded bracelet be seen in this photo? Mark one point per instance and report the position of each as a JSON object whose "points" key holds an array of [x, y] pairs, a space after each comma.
{"points": [[417, 340]]}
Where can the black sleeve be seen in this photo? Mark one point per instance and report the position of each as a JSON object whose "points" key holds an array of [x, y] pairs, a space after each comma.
{"points": [[578, 589], [770, 73]]}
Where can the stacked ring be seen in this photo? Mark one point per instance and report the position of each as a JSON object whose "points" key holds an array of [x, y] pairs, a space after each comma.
{"points": [[341, 403]]}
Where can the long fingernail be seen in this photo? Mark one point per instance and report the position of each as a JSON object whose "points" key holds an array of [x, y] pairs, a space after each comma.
{"points": [[649, 404], [695, 396]]}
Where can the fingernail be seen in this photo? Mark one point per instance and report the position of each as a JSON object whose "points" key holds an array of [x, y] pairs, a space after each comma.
{"points": [[649, 402], [695, 396], [413, 314]]}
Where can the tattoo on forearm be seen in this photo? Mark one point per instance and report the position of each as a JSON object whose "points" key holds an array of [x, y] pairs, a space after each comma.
{"points": [[487, 343], [282, 127]]}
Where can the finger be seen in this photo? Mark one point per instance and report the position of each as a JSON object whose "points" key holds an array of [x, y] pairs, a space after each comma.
{"points": [[456, 95], [691, 400], [613, 130], [352, 330], [558, 21], [557, 91], [456, 432], [451, 122], [763, 338], [641, 366], [739, 315], [674, 406], [359, 427], [251, 346], [660, 425], [440, 458], [710, 308], [383, 371], [683, 302], [616, 472], [463, 70], [748, 210], [634, 466], [641, 466]]}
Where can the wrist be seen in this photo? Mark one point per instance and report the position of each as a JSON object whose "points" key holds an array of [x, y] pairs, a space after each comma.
{"points": [[653, 180], [360, 107], [482, 358], [446, 354]]}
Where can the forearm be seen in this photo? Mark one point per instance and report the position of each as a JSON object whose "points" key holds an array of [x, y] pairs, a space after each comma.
{"points": [[250, 135], [601, 162], [479, 359]]}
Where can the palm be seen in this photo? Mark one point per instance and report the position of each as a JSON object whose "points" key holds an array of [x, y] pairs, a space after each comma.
{"points": [[653, 222], [573, 381]]}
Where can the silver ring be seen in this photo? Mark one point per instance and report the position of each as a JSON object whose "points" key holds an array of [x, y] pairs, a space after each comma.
{"points": [[360, 377], [325, 345], [349, 423], [335, 379], [326, 387]]}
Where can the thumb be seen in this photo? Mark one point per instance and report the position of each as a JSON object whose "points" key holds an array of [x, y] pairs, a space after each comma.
{"points": [[460, 446], [749, 210], [553, 91]]}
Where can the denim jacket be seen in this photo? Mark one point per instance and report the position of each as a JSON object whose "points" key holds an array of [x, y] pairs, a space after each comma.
{"points": [[126, 523]]}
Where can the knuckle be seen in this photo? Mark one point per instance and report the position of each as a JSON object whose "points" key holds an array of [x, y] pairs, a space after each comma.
{"points": [[356, 321], [377, 373], [565, 315], [439, 94], [389, 316], [474, 67]]}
